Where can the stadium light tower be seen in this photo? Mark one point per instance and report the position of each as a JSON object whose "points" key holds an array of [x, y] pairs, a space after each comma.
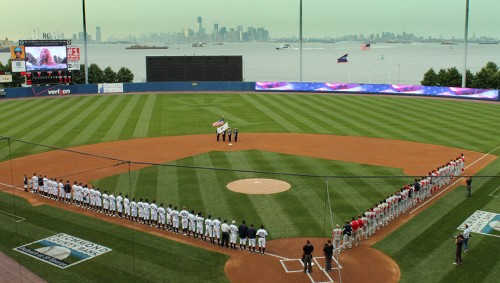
{"points": [[85, 43], [300, 39], [466, 38]]}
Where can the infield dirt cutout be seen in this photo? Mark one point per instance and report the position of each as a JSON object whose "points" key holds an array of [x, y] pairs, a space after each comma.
{"points": [[259, 186], [361, 264]]}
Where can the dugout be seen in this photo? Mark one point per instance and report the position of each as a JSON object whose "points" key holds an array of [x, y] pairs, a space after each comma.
{"points": [[194, 68]]}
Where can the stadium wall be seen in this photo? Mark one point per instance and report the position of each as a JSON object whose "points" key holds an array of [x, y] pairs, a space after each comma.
{"points": [[349, 88]]}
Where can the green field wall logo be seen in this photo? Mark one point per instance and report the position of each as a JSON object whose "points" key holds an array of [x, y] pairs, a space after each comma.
{"points": [[63, 250]]}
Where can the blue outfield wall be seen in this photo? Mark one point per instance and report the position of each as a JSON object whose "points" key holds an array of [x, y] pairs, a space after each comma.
{"points": [[310, 87]]}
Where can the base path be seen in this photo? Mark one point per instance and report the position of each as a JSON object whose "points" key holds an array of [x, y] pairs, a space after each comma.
{"points": [[413, 158]]}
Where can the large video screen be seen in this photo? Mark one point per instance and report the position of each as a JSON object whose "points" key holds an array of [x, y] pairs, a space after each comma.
{"points": [[46, 58]]}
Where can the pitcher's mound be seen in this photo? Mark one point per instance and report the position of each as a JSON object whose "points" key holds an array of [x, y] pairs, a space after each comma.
{"points": [[258, 186]]}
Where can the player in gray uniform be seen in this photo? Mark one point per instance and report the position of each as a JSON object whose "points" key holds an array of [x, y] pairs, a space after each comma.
{"points": [[169, 217], [34, 182], [133, 210], [337, 234], [216, 223], [262, 234], [105, 202]]}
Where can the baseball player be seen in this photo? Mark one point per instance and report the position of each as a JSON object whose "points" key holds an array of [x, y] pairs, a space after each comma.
{"points": [[243, 233], [209, 230], [45, 186], [67, 192], [364, 228], [146, 212], [252, 234], [74, 189], [337, 234], [233, 230], [355, 232], [40, 185], [34, 182], [133, 210], [216, 225], [112, 204], [105, 202], [347, 232], [25, 183], [126, 205], [140, 211], [92, 198], [119, 205], [86, 196], [224, 228], [98, 199], [262, 234], [169, 217], [161, 216], [199, 226], [185, 220], [154, 213], [175, 219], [192, 224]]}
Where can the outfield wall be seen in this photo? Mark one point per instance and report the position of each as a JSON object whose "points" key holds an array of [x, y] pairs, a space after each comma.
{"points": [[349, 88]]}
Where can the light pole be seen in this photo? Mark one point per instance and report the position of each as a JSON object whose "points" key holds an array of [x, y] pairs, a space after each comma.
{"points": [[466, 38], [85, 44], [300, 39]]}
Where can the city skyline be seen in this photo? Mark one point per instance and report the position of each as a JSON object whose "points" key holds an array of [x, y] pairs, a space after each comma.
{"points": [[321, 19]]}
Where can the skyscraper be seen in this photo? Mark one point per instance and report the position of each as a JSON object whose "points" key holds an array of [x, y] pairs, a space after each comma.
{"points": [[98, 34], [200, 25]]}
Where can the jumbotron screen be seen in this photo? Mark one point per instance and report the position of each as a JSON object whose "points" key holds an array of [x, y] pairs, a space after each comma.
{"points": [[46, 58]]}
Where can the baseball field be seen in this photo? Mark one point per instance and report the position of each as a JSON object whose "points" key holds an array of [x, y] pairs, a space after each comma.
{"points": [[340, 154]]}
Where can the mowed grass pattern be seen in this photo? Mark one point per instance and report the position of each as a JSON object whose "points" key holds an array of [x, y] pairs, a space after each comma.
{"points": [[72, 121], [135, 256], [301, 211]]}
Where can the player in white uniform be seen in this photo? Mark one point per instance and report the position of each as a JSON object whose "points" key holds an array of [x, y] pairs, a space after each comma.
{"points": [[98, 200], [233, 235], [209, 229], [34, 182], [140, 211], [185, 220], [161, 216], [45, 186], [146, 212], [92, 198], [337, 234], [154, 213], [86, 196], [192, 224], [119, 204], [216, 225], [169, 217], [133, 210], [105, 202], [126, 205], [112, 204], [175, 220], [199, 225], [261, 235]]}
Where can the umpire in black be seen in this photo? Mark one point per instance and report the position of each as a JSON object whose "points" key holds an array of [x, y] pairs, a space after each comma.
{"points": [[307, 256]]}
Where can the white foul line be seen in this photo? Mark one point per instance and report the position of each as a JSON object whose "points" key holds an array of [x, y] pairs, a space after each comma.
{"points": [[20, 220], [442, 191], [491, 195]]}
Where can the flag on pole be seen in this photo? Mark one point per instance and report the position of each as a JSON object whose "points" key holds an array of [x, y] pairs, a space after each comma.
{"points": [[342, 59], [365, 46], [222, 128], [218, 123]]}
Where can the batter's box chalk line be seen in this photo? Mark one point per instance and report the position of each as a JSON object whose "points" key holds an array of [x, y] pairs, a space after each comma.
{"points": [[315, 263], [493, 193]]}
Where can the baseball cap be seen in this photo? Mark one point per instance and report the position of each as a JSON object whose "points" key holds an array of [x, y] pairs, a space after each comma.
{"points": [[233, 222]]}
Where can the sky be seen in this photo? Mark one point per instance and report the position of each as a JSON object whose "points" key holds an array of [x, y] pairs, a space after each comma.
{"points": [[321, 18]]}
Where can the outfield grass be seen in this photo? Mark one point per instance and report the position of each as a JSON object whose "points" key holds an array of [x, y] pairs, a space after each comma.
{"points": [[72, 121], [135, 256], [424, 249], [300, 211]]}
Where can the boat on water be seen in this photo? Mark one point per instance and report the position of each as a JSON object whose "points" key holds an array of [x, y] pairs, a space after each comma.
{"points": [[488, 42], [197, 44], [283, 46], [137, 46], [449, 43]]}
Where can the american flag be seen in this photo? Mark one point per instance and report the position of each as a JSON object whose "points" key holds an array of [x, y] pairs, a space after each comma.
{"points": [[342, 59], [219, 123]]}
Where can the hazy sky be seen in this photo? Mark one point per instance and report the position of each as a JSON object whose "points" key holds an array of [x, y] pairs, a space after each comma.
{"points": [[321, 18]]}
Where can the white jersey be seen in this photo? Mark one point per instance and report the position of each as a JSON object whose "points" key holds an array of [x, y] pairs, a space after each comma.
{"points": [[233, 229], [112, 202], [119, 204], [337, 233], [184, 214], [161, 214], [154, 210], [261, 233], [146, 210]]}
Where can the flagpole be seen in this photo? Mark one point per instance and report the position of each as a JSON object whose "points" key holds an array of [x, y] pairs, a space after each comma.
{"points": [[466, 37]]}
